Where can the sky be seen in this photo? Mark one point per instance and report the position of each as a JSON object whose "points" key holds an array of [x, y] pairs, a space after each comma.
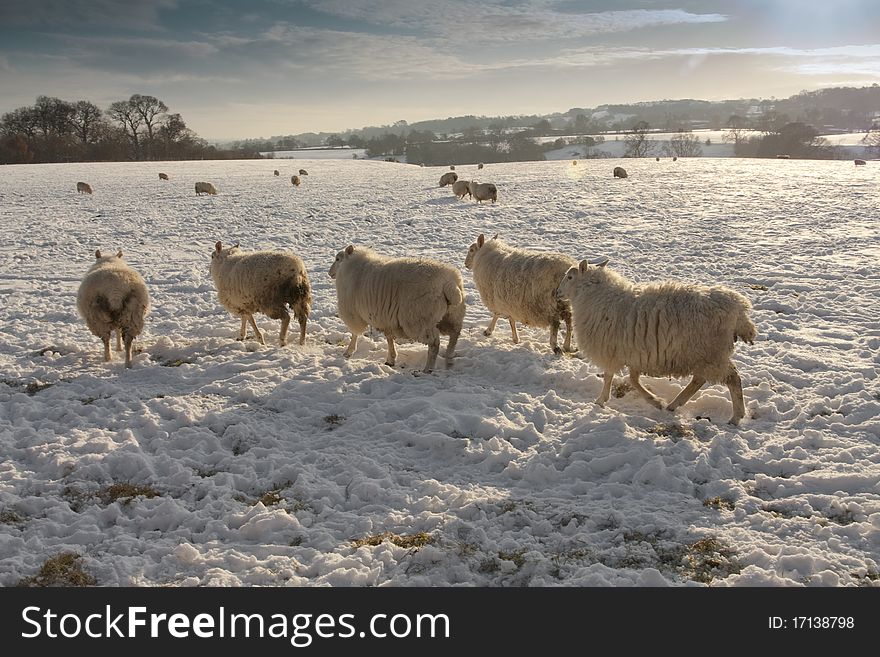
{"points": [[237, 69]]}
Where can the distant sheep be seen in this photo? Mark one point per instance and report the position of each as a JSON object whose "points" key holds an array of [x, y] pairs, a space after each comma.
{"points": [[303, 172], [480, 165], [405, 298], [163, 176], [295, 181], [276, 172], [265, 282], [658, 329], [620, 172], [452, 167], [675, 158], [461, 188], [574, 163], [483, 191], [448, 179], [860, 162], [521, 285], [113, 297], [657, 159], [83, 188], [205, 188]]}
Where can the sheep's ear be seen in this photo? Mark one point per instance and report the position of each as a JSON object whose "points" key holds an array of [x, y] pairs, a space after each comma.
{"points": [[119, 253], [218, 247], [584, 266], [349, 249], [496, 236], [481, 240], [234, 246], [599, 262], [98, 254]]}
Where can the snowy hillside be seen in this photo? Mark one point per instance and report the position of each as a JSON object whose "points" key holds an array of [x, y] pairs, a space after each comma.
{"points": [[215, 462]]}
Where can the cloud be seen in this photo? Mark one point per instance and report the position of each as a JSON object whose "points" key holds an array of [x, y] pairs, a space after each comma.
{"points": [[142, 14]]}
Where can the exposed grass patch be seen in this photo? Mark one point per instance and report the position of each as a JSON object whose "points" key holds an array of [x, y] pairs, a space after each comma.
{"points": [[35, 386], [458, 435], [64, 569], [125, 493], [675, 430], [622, 389], [703, 560], [333, 421], [409, 541], [758, 286], [708, 559], [719, 503], [516, 556], [8, 517]]}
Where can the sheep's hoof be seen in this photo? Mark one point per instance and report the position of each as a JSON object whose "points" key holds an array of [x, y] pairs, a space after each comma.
{"points": [[557, 351], [346, 355], [487, 333], [283, 343], [600, 402], [389, 363], [734, 420]]}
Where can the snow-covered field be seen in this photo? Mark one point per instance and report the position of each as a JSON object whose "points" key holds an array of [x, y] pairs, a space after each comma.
{"points": [[264, 465]]}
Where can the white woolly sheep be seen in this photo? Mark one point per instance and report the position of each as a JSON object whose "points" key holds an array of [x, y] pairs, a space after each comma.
{"points": [[205, 188], [461, 188], [521, 285], [83, 188], [276, 172], [113, 297], [658, 329], [405, 298], [619, 172], [303, 172], [448, 178], [294, 180], [483, 191], [265, 282], [163, 176]]}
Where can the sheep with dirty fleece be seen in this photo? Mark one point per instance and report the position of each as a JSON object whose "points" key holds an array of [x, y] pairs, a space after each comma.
{"points": [[113, 297], [521, 285], [483, 191], [448, 178], [265, 282], [405, 298], [658, 329], [205, 188], [83, 188], [461, 188]]}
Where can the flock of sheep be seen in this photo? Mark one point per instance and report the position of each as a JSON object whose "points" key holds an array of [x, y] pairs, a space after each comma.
{"points": [[658, 329]]}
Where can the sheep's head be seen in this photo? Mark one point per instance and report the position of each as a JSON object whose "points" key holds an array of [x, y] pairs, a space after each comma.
{"points": [[586, 273], [98, 255], [219, 253], [473, 248], [342, 255]]}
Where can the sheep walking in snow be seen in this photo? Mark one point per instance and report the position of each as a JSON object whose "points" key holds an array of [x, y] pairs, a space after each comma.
{"points": [[483, 191], [163, 176], [83, 188], [276, 172], [658, 329], [113, 297], [405, 298], [461, 188], [448, 178], [619, 172], [480, 165], [303, 172], [265, 282], [294, 180], [205, 188], [521, 285]]}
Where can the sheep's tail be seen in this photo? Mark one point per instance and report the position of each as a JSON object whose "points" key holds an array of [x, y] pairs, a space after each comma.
{"points": [[745, 329], [131, 316], [299, 295], [453, 293]]}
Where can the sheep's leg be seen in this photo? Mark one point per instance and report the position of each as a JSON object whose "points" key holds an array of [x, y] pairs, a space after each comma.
{"points": [[106, 340], [285, 322], [566, 346], [302, 328], [647, 394], [128, 341], [242, 333], [513, 330], [352, 345], [606, 389], [118, 339], [734, 385], [491, 327], [256, 330], [433, 350], [450, 348], [392, 352], [554, 335], [689, 391]]}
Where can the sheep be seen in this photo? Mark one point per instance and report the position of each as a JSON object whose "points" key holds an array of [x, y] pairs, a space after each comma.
{"points": [[483, 191], [452, 167], [303, 172], [521, 285], [163, 176], [83, 188], [265, 282], [461, 188], [448, 179], [619, 172], [675, 159], [294, 180], [658, 329], [113, 297], [574, 163], [860, 162], [405, 298], [205, 188], [480, 165], [276, 172]]}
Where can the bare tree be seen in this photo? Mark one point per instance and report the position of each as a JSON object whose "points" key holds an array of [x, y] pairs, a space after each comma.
{"points": [[84, 120], [151, 110], [683, 144], [125, 114], [636, 142], [872, 140]]}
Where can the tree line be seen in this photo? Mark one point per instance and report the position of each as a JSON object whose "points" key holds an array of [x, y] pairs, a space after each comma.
{"points": [[140, 128]]}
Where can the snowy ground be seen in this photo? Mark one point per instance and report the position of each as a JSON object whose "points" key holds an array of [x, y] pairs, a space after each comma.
{"points": [[266, 464]]}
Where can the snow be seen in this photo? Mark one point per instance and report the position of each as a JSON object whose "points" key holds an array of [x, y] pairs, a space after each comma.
{"points": [[268, 463]]}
